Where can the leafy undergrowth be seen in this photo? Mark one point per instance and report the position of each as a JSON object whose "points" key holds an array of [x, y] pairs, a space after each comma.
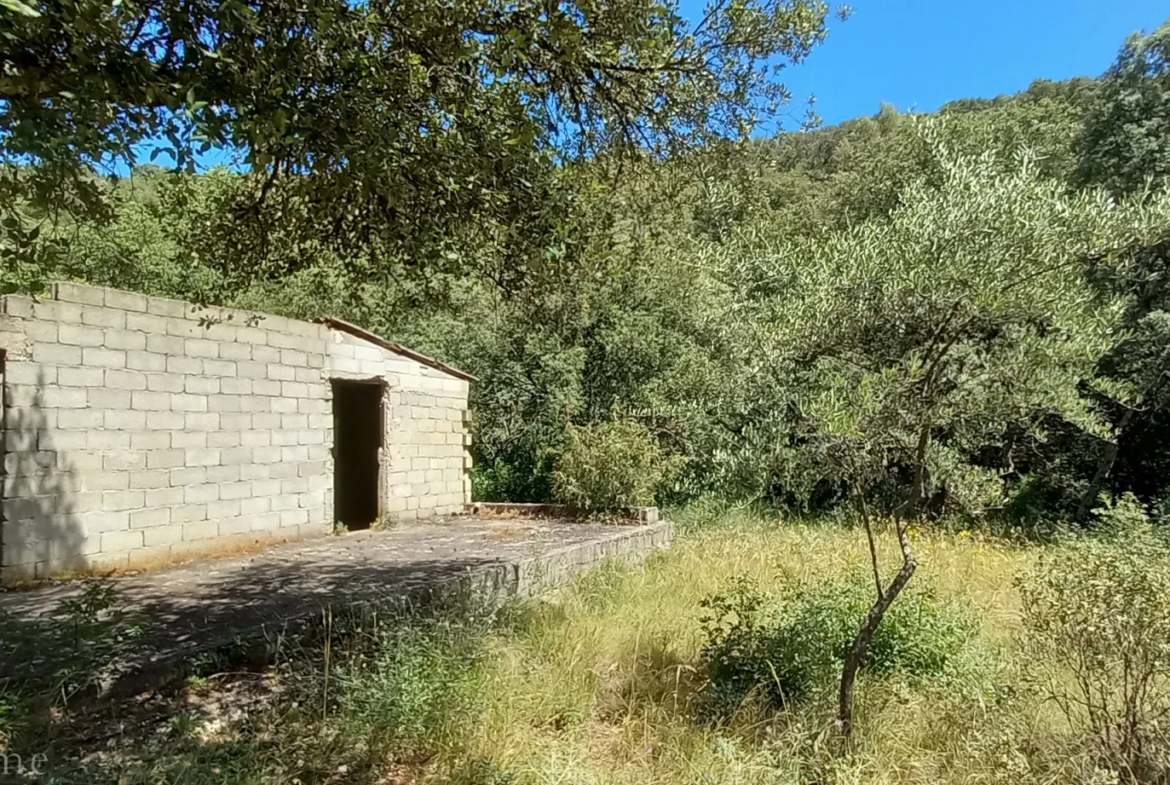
{"points": [[606, 683], [784, 647]]}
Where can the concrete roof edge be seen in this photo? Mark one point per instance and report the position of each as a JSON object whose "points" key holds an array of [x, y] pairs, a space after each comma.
{"points": [[399, 349]]}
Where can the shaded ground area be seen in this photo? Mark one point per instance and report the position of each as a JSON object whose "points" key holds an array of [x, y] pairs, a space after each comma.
{"points": [[177, 614]]}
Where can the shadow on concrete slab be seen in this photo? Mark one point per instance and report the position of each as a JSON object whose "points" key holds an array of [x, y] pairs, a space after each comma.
{"points": [[156, 626]]}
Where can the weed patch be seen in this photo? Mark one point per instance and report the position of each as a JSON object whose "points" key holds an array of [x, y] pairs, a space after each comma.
{"points": [[1097, 612], [787, 645]]}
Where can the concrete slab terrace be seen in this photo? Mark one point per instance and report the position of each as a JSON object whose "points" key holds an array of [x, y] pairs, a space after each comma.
{"points": [[202, 606]]}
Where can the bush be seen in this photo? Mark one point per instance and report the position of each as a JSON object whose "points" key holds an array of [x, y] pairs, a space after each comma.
{"points": [[611, 466], [520, 475], [1097, 613], [420, 689], [787, 646]]}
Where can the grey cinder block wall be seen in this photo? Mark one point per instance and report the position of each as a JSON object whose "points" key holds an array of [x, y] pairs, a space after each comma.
{"points": [[139, 430]]}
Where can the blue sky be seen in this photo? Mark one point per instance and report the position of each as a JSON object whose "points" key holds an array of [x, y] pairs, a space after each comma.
{"points": [[919, 54]]}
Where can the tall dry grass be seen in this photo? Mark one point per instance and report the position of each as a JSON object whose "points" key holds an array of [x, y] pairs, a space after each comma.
{"points": [[600, 684], [604, 683]]}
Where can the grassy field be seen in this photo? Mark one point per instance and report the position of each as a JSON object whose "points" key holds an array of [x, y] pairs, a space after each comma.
{"points": [[619, 659], [603, 684]]}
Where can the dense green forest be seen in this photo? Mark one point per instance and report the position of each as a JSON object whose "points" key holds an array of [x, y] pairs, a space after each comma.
{"points": [[762, 312], [960, 318]]}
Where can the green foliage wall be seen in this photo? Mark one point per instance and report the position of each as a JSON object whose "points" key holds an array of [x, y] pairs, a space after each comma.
{"points": [[715, 298]]}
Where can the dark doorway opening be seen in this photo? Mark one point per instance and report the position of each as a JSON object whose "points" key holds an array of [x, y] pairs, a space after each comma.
{"points": [[357, 437]]}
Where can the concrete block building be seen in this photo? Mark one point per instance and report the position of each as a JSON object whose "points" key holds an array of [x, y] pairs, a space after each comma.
{"points": [[139, 430]]}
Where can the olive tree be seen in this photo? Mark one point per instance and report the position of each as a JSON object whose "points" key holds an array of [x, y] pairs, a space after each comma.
{"points": [[914, 340]]}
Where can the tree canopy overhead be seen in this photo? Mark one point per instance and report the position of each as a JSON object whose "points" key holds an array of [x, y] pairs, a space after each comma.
{"points": [[384, 125]]}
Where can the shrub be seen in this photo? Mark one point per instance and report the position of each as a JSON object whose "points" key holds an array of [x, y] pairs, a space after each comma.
{"points": [[1097, 613], [611, 466], [786, 646], [419, 690], [71, 649]]}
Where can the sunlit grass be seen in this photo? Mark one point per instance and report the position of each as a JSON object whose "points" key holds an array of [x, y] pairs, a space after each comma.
{"points": [[604, 682], [601, 684]]}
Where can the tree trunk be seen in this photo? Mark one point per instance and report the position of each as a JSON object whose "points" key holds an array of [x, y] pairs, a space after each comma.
{"points": [[863, 511], [886, 598], [861, 642], [1108, 458]]}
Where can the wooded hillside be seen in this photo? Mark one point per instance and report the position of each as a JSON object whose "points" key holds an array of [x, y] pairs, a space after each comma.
{"points": [[783, 319]]}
